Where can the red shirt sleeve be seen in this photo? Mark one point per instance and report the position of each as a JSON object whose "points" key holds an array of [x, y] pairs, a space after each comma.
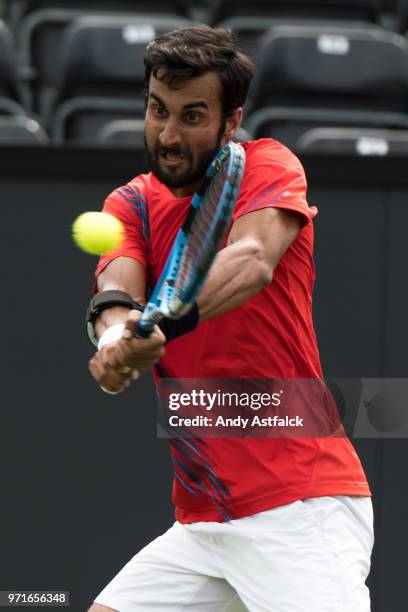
{"points": [[273, 177], [128, 204]]}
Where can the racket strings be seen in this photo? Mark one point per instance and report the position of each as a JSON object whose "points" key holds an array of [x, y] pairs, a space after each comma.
{"points": [[208, 225], [200, 230], [204, 219]]}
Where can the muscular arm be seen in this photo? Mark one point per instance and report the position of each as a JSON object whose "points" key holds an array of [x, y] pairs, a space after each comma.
{"points": [[256, 243]]}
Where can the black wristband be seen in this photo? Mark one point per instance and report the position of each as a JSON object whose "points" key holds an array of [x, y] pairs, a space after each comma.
{"points": [[103, 300], [174, 328]]}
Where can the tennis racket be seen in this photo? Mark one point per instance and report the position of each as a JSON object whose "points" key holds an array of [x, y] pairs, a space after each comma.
{"points": [[197, 241]]}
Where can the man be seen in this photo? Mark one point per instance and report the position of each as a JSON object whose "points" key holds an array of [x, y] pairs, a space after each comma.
{"points": [[262, 524]]}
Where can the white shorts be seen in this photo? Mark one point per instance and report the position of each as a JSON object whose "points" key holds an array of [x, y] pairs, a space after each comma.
{"points": [[308, 556]]}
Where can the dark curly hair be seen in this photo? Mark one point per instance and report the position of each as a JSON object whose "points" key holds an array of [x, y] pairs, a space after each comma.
{"points": [[194, 51]]}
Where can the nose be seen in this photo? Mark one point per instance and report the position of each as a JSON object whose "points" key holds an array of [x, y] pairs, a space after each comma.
{"points": [[170, 135]]}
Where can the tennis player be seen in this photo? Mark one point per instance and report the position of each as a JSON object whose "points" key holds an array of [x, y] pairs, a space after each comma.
{"points": [[289, 524]]}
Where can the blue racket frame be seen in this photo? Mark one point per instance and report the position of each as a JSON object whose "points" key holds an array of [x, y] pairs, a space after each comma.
{"points": [[164, 302]]}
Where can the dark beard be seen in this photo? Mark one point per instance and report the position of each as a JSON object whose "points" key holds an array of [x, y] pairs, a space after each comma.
{"points": [[191, 175]]}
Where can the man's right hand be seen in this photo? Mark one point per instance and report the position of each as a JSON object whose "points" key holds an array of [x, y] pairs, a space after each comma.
{"points": [[117, 364]]}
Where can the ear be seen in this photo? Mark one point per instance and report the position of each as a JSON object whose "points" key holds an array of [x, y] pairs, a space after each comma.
{"points": [[232, 123]]}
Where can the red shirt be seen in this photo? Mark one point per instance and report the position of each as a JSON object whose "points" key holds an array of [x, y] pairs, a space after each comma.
{"points": [[271, 335]]}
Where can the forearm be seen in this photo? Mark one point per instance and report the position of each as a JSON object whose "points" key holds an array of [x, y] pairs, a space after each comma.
{"points": [[122, 274], [124, 357], [239, 272]]}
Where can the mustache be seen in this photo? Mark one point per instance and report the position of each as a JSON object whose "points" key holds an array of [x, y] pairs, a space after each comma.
{"points": [[176, 150]]}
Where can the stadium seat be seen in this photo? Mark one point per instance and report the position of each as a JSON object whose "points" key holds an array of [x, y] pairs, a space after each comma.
{"points": [[21, 131], [39, 34], [16, 10], [122, 133], [250, 30], [102, 72], [310, 77], [331, 66], [365, 142], [11, 95], [361, 10], [328, 130]]}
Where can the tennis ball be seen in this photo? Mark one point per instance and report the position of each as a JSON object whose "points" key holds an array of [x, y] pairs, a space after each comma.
{"points": [[97, 233]]}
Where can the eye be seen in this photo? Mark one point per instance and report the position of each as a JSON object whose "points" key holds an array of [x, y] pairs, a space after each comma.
{"points": [[193, 117], [158, 111]]}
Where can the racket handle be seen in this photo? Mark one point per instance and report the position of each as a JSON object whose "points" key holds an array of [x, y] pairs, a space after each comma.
{"points": [[144, 331]]}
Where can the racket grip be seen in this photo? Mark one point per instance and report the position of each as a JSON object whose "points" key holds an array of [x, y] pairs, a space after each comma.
{"points": [[142, 332]]}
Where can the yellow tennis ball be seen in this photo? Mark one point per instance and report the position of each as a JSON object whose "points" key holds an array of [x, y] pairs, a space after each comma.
{"points": [[97, 233]]}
